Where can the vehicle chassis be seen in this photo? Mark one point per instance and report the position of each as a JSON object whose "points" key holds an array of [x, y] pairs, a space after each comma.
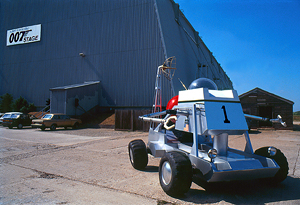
{"points": [[196, 132]]}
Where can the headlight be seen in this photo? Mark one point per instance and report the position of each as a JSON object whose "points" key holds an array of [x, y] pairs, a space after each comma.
{"points": [[212, 153], [272, 151]]}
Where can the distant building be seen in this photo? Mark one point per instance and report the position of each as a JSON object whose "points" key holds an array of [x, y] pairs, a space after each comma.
{"points": [[53, 46], [262, 103]]}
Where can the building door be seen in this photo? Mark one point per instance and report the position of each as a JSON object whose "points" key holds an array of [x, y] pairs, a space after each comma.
{"points": [[265, 111]]}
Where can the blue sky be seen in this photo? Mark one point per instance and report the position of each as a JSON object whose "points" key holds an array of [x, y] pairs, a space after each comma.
{"points": [[257, 42]]}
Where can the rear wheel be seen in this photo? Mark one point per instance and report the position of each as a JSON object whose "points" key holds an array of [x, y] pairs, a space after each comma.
{"points": [[20, 126], [175, 173], [280, 159], [53, 127], [138, 154]]}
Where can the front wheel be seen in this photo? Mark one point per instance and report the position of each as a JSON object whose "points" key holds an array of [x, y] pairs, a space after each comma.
{"points": [[175, 173], [138, 154], [280, 159]]}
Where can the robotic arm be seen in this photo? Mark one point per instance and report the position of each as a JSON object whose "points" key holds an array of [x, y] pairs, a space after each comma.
{"points": [[278, 119]]}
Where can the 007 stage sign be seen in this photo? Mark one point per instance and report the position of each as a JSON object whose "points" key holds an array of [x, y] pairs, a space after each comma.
{"points": [[28, 34]]}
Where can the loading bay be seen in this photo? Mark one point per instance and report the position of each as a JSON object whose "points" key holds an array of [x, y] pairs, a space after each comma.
{"points": [[91, 166]]}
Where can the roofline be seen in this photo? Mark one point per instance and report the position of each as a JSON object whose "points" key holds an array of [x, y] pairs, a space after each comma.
{"points": [[276, 96], [75, 85], [200, 40]]}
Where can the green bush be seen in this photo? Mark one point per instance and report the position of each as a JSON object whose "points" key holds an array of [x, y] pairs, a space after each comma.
{"points": [[19, 105], [6, 101]]}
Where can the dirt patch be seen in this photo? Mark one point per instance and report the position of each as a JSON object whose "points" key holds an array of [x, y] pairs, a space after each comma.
{"points": [[45, 175], [103, 120]]}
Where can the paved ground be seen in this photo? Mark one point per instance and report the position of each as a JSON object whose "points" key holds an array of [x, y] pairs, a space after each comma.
{"points": [[91, 166]]}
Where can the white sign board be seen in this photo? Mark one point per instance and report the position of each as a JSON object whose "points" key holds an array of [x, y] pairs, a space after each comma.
{"points": [[224, 117], [28, 34]]}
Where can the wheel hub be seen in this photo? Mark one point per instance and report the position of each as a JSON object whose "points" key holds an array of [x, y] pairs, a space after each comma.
{"points": [[131, 156], [166, 173]]}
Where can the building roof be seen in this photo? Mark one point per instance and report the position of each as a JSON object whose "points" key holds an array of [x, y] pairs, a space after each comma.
{"points": [[75, 85], [263, 91]]}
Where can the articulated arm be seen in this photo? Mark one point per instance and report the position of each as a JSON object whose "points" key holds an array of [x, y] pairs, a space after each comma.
{"points": [[278, 119]]}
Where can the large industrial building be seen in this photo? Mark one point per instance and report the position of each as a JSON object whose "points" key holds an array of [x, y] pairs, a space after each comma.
{"points": [[98, 53]]}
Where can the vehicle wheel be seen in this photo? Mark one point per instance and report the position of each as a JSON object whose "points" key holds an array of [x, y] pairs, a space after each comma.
{"points": [[20, 126], [10, 127], [53, 127], [280, 159], [43, 128], [175, 173], [75, 126], [138, 154]]}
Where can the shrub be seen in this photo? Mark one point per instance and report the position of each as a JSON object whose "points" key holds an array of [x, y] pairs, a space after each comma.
{"points": [[7, 104], [6, 101]]}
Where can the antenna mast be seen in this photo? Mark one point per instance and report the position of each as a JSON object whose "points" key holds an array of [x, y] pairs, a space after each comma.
{"points": [[168, 70]]}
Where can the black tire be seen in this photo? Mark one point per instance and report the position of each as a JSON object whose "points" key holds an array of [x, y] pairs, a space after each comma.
{"points": [[175, 173], [280, 159], [43, 128], [53, 127], [138, 154], [75, 126], [20, 126]]}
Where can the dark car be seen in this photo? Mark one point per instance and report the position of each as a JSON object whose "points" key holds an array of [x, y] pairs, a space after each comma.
{"points": [[17, 120]]}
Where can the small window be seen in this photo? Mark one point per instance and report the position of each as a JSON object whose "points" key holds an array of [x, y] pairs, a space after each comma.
{"points": [[15, 116], [47, 117]]}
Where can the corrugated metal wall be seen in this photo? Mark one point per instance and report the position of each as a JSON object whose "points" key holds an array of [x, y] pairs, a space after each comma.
{"points": [[194, 59], [120, 39], [58, 102], [124, 41]]}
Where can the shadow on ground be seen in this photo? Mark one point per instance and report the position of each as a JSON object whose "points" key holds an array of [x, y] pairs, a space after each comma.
{"points": [[296, 127], [249, 192]]}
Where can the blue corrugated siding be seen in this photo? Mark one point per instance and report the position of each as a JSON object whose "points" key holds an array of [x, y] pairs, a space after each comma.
{"points": [[121, 40]]}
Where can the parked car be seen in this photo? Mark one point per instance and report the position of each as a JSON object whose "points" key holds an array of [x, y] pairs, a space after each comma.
{"points": [[55, 120], [17, 120], [8, 115], [1, 114]]}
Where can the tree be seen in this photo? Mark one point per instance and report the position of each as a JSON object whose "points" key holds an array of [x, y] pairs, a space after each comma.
{"points": [[7, 104], [6, 101], [19, 104], [22, 105], [30, 108]]}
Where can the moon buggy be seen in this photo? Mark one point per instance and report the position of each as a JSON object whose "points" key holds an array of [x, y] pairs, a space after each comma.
{"points": [[192, 141]]}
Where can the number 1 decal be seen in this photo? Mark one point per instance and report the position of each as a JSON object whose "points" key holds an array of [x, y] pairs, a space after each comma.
{"points": [[225, 115]]}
